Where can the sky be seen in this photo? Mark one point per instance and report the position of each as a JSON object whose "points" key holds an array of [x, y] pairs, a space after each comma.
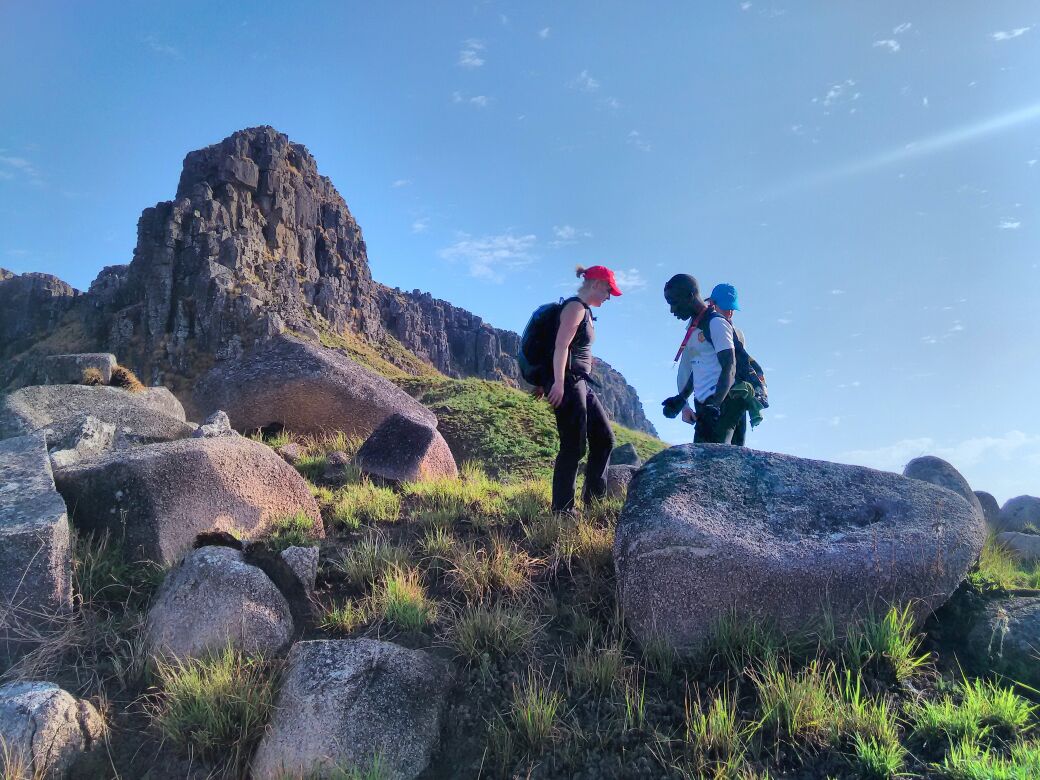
{"points": [[866, 175]]}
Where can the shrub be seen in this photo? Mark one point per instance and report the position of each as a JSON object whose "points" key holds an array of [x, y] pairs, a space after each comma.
{"points": [[365, 503], [401, 600], [494, 631], [215, 707], [365, 562], [125, 378], [293, 531], [92, 377], [535, 711]]}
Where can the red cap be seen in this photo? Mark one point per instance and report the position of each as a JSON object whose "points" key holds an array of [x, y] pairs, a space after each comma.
{"points": [[604, 273]]}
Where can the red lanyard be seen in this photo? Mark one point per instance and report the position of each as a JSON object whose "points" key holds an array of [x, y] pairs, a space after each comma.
{"points": [[689, 332]]}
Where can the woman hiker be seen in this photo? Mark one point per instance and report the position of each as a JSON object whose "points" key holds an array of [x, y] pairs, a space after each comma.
{"points": [[579, 416]]}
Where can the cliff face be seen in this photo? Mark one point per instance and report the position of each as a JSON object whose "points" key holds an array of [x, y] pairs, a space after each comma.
{"points": [[255, 243]]}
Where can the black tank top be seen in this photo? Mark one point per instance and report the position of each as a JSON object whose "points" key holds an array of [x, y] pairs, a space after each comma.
{"points": [[581, 344]]}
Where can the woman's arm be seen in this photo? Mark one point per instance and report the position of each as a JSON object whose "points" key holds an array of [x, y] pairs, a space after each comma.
{"points": [[570, 318]]}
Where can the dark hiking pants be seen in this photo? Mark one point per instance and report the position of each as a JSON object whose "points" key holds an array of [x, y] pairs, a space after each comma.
{"points": [[703, 433], [580, 419]]}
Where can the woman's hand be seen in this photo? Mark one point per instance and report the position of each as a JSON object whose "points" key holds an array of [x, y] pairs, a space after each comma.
{"points": [[688, 416], [556, 394]]}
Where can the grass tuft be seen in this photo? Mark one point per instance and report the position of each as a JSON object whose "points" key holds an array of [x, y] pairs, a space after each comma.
{"points": [[596, 669], [365, 563], [535, 711], [364, 502], [401, 600], [345, 617], [890, 640], [985, 711], [482, 631], [92, 377], [293, 531], [125, 378]]}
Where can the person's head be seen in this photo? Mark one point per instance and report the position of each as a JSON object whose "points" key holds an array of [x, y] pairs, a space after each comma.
{"points": [[724, 299], [597, 284], [683, 296]]}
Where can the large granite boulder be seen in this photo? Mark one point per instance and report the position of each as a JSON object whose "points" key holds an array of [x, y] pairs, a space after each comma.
{"points": [[304, 388], [1020, 513], [710, 529], [1025, 547], [35, 558], [990, 508], [43, 729], [1006, 639], [345, 702], [60, 410], [213, 598], [937, 471], [162, 400], [159, 498], [86, 438], [625, 455], [403, 450], [68, 369]]}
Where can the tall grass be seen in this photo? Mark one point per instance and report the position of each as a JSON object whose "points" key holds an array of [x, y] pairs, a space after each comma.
{"points": [[401, 600], [477, 572], [985, 710], [296, 530], [968, 760], [364, 502], [481, 631], [363, 564], [535, 711], [890, 640]]}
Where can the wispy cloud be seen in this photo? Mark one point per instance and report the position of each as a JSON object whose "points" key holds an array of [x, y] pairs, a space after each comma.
{"points": [[398, 183], [636, 139], [19, 168], [489, 257], [1007, 35], [890, 44], [565, 235], [962, 454], [1009, 224], [544, 32], [629, 280], [610, 103], [159, 47], [745, 6], [783, 321], [837, 292], [839, 94], [480, 101], [472, 54], [421, 225], [901, 28], [585, 82]]}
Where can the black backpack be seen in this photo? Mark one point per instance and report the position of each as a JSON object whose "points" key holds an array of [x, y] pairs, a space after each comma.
{"points": [[748, 369], [539, 341]]}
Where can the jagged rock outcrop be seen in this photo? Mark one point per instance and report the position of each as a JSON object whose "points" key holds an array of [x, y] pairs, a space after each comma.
{"points": [[255, 244]]}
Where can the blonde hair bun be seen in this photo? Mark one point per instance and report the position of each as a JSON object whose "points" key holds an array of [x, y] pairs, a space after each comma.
{"points": [[579, 270]]}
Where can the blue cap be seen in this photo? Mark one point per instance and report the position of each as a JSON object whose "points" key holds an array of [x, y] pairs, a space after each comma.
{"points": [[724, 296]]}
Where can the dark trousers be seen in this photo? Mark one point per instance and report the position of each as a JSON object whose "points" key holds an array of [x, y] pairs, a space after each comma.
{"points": [[740, 432], [703, 433], [580, 419]]}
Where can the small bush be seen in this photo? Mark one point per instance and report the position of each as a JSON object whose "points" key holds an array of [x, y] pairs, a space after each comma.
{"points": [[215, 707], [125, 378], [365, 503], [401, 600], [92, 377], [596, 669], [985, 710], [495, 631], [535, 711], [344, 618], [364, 563], [293, 531]]}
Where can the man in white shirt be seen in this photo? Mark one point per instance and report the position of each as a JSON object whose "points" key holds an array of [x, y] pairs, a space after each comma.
{"points": [[707, 368]]}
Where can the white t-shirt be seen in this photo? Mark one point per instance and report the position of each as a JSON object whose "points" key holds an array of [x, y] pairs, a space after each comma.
{"points": [[699, 358]]}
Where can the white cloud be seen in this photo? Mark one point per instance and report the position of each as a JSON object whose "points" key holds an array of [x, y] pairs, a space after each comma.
{"points": [[544, 32], [479, 100], [472, 54], [1007, 35], [398, 183], [1009, 224], [584, 82], [636, 139], [420, 225], [610, 103], [629, 280], [839, 93], [783, 321], [162, 48], [924, 101], [834, 422], [962, 454], [902, 28], [19, 167], [1031, 163], [488, 257], [837, 292], [745, 6], [565, 235], [890, 44]]}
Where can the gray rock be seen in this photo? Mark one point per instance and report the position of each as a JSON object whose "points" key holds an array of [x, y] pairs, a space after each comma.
{"points": [[35, 558], [68, 369], [403, 450], [305, 388], [60, 409], [291, 452], [304, 563], [162, 400], [1006, 639], [990, 508], [619, 477], [625, 455], [214, 426], [88, 438], [44, 729], [214, 597], [937, 471], [160, 497], [709, 529], [343, 702], [1026, 547], [1020, 512]]}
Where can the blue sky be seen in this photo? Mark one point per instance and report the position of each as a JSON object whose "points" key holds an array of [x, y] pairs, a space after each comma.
{"points": [[865, 174]]}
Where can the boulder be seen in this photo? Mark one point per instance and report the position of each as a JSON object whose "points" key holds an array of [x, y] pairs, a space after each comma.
{"points": [[305, 388], [60, 409], [343, 702], [1019, 513], [304, 564], [403, 450], [214, 426], [990, 508], [68, 369], [937, 471], [159, 498], [619, 477], [88, 437], [291, 452], [1006, 639], [625, 455], [214, 597], [711, 530], [43, 729], [35, 558], [1026, 547], [162, 400]]}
